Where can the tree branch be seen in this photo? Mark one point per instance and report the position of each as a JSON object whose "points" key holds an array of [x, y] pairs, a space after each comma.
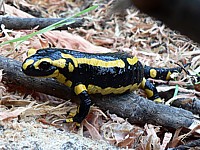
{"points": [[17, 23], [195, 144]]}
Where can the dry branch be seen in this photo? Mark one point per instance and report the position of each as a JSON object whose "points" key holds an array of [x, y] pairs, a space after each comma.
{"points": [[192, 105], [135, 108], [17, 23], [190, 145]]}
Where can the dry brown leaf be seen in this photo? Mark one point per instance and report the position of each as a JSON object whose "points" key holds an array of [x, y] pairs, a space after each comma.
{"points": [[95, 117], [92, 130], [8, 102], [153, 139], [115, 118], [175, 139], [195, 127], [103, 41], [64, 39], [120, 133], [43, 121], [166, 140], [44, 109], [12, 11], [132, 139], [9, 114]]}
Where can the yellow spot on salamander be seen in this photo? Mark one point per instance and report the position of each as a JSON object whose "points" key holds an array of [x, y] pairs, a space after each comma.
{"points": [[70, 67], [59, 63], [149, 92], [153, 73], [55, 74], [168, 76], [158, 100], [72, 114], [101, 63], [92, 89], [78, 109], [79, 89], [27, 63], [68, 83], [132, 60], [78, 124], [142, 85], [69, 120], [61, 78], [31, 52]]}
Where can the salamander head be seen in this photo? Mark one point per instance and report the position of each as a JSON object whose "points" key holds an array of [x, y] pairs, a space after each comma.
{"points": [[43, 63]]}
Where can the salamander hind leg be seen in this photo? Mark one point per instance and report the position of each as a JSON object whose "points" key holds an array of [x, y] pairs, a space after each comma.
{"points": [[150, 90], [84, 107]]}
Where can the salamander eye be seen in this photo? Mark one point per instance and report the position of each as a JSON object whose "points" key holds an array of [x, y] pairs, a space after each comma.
{"points": [[44, 65]]}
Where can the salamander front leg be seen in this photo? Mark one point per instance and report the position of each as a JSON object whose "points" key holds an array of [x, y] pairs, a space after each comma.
{"points": [[84, 107], [150, 90]]}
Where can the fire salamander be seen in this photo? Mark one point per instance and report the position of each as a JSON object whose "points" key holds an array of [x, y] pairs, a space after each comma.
{"points": [[88, 73]]}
